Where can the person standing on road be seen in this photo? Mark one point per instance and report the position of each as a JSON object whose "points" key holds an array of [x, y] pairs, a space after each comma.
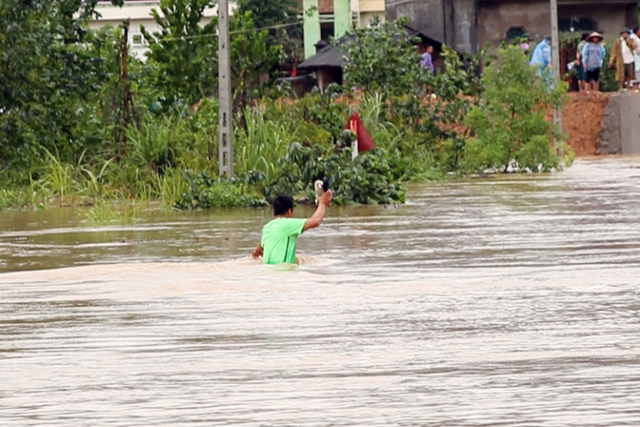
{"points": [[635, 36], [581, 70], [541, 57], [593, 54], [622, 59]]}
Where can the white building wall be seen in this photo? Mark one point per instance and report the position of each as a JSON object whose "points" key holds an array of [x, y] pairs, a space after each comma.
{"points": [[138, 12]]}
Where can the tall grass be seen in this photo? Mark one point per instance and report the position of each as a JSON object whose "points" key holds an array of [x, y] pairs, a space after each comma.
{"points": [[21, 198], [111, 213], [172, 187], [73, 183], [412, 159], [262, 143], [156, 144]]}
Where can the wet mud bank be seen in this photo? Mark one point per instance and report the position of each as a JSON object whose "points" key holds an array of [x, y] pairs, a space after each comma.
{"points": [[603, 123]]}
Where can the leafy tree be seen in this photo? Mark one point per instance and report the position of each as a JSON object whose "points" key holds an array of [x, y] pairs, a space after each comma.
{"points": [[509, 124], [184, 52], [278, 16], [382, 58], [184, 55], [49, 71], [251, 56]]}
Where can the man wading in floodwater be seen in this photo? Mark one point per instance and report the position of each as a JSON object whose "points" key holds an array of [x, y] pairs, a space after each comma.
{"points": [[279, 235]]}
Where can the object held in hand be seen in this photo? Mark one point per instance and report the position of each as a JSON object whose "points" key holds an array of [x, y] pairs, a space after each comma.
{"points": [[321, 186]]}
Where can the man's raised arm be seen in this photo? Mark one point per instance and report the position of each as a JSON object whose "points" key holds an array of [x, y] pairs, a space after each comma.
{"points": [[318, 216]]}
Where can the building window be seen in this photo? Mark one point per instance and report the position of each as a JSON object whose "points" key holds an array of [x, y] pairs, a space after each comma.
{"points": [[515, 33], [326, 30], [576, 24], [137, 39]]}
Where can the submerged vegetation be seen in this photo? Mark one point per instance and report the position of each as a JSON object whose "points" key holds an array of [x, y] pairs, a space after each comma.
{"points": [[79, 129]]}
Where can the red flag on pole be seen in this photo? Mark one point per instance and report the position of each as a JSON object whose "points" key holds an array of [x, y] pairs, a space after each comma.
{"points": [[355, 125]]}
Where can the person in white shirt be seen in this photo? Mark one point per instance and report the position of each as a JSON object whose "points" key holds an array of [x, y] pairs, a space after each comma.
{"points": [[635, 36]]}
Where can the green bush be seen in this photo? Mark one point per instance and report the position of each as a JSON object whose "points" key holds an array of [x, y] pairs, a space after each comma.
{"points": [[367, 180], [509, 125], [205, 192]]}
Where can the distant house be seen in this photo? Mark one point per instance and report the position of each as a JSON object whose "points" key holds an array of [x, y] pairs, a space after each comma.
{"points": [[466, 25], [138, 12], [327, 62], [362, 13]]}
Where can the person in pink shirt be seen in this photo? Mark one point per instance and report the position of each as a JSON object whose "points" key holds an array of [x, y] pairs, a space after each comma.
{"points": [[427, 59]]}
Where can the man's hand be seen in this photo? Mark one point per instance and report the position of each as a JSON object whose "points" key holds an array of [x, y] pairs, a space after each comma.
{"points": [[326, 198], [258, 251]]}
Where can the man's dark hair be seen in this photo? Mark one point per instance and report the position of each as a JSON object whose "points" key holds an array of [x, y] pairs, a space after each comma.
{"points": [[635, 30], [585, 35], [282, 204]]}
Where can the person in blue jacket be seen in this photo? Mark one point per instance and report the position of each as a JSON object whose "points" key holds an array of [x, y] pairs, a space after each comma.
{"points": [[541, 57], [593, 54]]}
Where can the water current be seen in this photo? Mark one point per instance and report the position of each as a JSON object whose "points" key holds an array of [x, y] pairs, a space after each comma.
{"points": [[510, 301]]}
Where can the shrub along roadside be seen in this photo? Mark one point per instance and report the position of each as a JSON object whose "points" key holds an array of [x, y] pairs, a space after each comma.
{"points": [[367, 180], [509, 126]]}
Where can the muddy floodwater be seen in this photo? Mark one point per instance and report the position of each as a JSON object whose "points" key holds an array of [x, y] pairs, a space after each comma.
{"points": [[512, 301]]}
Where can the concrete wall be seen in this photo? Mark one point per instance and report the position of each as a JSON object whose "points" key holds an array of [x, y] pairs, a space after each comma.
{"points": [[426, 16], [609, 19], [620, 132], [464, 37], [495, 19], [450, 21], [467, 25]]}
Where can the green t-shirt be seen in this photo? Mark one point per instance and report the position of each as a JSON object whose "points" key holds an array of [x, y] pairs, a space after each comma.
{"points": [[279, 238]]}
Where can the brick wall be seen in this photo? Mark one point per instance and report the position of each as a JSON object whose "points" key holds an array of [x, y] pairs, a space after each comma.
{"points": [[325, 6]]}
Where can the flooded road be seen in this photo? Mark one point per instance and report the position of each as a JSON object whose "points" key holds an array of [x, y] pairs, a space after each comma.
{"points": [[502, 302]]}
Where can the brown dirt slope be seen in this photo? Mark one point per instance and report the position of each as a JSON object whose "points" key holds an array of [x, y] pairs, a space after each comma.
{"points": [[582, 121]]}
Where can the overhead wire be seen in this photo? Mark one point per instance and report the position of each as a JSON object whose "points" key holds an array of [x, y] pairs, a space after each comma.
{"points": [[202, 36]]}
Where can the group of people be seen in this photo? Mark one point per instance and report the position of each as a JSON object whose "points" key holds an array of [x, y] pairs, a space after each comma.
{"points": [[625, 59], [590, 56]]}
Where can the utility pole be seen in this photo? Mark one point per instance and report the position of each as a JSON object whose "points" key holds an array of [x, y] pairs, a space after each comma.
{"points": [[225, 113], [555, 56], [123, 112]]}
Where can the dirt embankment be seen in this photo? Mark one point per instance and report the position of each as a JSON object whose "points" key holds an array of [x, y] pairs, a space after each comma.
{"points": [[582, 121]]}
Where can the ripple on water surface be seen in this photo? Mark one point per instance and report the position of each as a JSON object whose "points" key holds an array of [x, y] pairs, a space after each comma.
{"points": [[500, 302]]}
